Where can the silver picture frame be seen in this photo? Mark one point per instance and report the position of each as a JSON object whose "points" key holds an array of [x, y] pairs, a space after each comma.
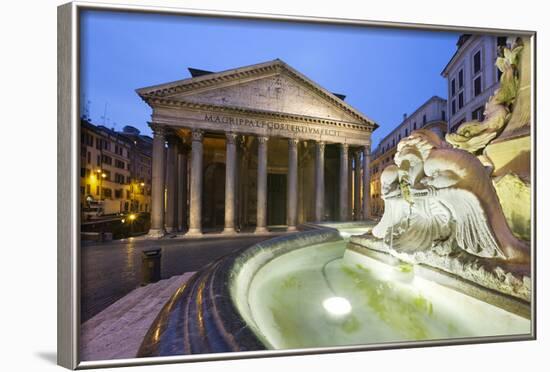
{"points": [[68, 226]]}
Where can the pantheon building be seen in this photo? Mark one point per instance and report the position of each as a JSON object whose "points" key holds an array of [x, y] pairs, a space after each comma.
{"points": [[252, 148]]}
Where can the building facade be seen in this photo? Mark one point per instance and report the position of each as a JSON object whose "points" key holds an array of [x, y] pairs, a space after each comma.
{"points": [[113, 170], [472, 77], [430, 115], [141, 153], [255, 146]]}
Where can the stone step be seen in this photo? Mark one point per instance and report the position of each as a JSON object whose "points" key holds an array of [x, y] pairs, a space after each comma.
{"points": [[104, 319], [117, 332]]}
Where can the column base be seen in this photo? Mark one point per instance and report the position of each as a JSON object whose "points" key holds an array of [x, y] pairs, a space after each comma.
{"points": [[291, 228], [156, 233], [229, 231], [171, 230], [261, 230], [192, 232]]}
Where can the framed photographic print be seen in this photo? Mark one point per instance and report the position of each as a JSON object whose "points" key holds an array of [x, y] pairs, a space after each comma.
{"points": [[229, 187]]}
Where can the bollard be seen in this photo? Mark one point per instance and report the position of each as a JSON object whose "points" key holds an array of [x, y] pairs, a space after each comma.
{"points": [[150, 266]]}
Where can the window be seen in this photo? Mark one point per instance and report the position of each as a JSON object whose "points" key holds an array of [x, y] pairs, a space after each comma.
{"points": [[107, 159], [87, 139], [98, 160], [477, 114], [108, 193], [98, 143], [89, 158], [460, 79], [119, 178], [414, 125], [477, 86], [82, 190], [423, 119], [119, 164], [118, 193], [477, 62], [127, 194], [82, 172], [88, 189], [501, 42], [443, 115], [460, 100], [453, 107], [453, 88], [406, 132], [97, 190]]}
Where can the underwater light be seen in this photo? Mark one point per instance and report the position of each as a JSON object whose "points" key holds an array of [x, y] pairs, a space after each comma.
{"points": [[337, 306]]}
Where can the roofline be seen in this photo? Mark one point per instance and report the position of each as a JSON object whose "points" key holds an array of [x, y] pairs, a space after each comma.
{"points": [[145, 92], [458, 51], [432, 98]]}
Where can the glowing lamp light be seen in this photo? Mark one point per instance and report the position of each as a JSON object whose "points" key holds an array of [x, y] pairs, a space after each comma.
{"points": [[337, 306], [132, 217]]}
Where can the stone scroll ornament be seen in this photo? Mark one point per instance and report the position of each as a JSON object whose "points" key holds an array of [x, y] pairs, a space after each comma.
{"points": [[474, 136], [441, 199]]}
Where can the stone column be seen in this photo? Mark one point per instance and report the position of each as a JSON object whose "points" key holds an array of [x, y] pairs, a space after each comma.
{"points": [[261, 212], [319, 181], [157, 186], [292, 184], [366, 182], [182, 187], [344, 169], [195, 189], [230, 182], [357, 186], [172, 184]]}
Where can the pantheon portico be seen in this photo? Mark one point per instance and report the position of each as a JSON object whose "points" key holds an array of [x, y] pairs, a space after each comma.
{"points": [[253, 147]]}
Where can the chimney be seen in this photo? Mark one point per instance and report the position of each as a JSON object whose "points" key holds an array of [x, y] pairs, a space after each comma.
{"points": [[404, 116]]}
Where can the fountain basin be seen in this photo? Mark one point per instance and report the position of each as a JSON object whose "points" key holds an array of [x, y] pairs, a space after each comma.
{"points": [[307, 290]]}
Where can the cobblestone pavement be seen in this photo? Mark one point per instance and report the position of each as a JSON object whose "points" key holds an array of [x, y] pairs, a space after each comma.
{"points": [[111, 270]]}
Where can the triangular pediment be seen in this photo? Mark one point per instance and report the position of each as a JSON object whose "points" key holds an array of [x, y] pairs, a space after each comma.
{"points": [[272, 86]]}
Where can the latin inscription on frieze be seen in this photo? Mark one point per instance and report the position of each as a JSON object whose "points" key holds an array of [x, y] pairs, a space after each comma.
{"points": [[271, 126]]}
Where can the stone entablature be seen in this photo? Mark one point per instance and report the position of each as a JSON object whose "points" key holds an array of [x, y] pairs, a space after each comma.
{"points": [[263, 124]]}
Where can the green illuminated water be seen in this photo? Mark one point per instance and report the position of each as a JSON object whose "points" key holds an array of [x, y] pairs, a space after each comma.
{"points": [[388, 304]]}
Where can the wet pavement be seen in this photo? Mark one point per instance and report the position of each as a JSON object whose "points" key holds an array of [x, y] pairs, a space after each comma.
{"points": [[113, 269]]}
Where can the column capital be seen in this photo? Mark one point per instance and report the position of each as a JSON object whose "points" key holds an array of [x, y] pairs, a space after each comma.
{"points": [[197, 135], [293, 142], [321, 145], [262, 139], [158, 129], [231, 137], [344, 146]]}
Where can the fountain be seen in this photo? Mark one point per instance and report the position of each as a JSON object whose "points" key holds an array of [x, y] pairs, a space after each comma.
{"points": [[448, 260]]}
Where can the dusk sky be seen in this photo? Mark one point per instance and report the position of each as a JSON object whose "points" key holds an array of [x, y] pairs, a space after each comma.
{"points": [[383, 72]]}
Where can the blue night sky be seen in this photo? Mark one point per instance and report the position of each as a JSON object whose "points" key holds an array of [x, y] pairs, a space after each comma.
{"points": [[383, 72]]}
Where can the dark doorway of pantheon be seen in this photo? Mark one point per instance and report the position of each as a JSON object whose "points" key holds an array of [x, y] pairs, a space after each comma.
{"points": [[276, 199], [213, 204]]}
